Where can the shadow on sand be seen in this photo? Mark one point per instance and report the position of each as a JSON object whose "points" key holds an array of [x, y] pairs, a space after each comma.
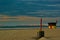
{"points": [[36, 38]]}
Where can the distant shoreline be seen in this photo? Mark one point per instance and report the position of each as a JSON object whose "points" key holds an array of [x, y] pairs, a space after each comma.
{"points": [[23, 28]]}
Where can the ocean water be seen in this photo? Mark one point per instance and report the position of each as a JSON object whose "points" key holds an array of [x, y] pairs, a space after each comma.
{"points": [[19, 26], [24, 26]]}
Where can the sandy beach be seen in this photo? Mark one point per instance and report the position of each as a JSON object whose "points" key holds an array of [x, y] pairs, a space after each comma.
{"points": [[29, 34]]}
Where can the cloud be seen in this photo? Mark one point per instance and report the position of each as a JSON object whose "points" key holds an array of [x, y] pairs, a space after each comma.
{"points": [[23, 8], [27, 20], [44, 4], [24, 18], [18, 18], [51, 5], [54, 5], [51, 13]]}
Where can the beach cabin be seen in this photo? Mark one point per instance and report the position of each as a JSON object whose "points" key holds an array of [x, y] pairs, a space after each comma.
{"points": [[52, 25]]}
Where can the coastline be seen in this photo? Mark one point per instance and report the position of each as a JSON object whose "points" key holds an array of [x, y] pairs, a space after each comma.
{"points": [[25, 28]]}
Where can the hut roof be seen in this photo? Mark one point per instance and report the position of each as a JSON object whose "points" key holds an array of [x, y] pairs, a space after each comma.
{"points": [[52, 23]]}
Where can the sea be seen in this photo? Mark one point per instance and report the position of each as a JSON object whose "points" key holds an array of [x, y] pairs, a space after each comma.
{"points": [[23, 27]]}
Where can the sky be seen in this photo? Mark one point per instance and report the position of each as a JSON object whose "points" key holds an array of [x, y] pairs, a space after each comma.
{"points": [[21, 12]]}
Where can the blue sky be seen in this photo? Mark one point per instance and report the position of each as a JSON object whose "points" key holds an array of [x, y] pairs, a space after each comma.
{"points": [[28, 8]]}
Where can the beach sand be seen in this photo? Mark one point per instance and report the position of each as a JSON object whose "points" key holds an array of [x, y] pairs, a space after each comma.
{"points": [[29, 34]]}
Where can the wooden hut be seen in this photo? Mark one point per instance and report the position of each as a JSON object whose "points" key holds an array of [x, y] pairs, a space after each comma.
{"points": [[52, 25]]}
